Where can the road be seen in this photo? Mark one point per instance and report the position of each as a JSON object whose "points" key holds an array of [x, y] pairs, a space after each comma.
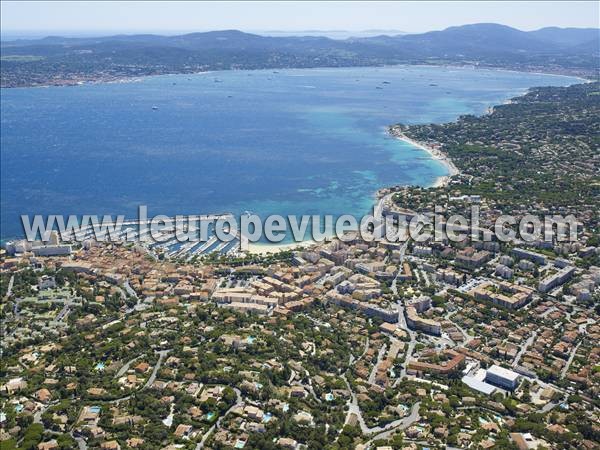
{"points": [[548, 406], [316, 321], [10, 286], [239, 402], [402, 322], [292, 376], [411, 344], [67, 303], [125, 367], [161, 357], [353, 361], [583, 326], [353, 408], [467, 337], [80, 442], [63, 313], [524, 348], [130, 290], [378, 209], [162, 354], [133, 294], [401, 424], [563, 372], [380, 356], [548, 311], [409, 352]]}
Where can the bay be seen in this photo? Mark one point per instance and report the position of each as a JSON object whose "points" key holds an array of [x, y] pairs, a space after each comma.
{"points": [[297, 141]]}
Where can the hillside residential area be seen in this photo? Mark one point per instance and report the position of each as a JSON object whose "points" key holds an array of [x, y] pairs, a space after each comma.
{"points": [[287, 225]]}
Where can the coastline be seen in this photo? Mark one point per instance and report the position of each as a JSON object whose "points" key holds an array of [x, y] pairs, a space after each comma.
{"points": [[438, 155], [441, 181], [264, 249], [138, 78]]}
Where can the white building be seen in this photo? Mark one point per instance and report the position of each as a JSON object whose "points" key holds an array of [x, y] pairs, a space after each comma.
{"points": [[502, 377], [560, 277]]}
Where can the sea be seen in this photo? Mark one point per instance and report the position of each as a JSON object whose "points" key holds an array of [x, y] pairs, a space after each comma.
{"points": [[294, 141]]}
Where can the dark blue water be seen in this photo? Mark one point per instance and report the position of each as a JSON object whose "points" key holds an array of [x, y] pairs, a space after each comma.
{"points": [[292, 142]]}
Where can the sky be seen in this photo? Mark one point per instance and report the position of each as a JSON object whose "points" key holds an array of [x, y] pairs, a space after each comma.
{"points": [[104, 17]]}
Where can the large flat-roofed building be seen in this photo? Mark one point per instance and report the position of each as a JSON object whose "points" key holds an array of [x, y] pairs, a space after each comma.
{"points": [[244, 300], [504, 378], [557, 279], [453, 362], [416, 322], [247, 307], [421, 304], [387, 315], [405, 274], [51, 250], [472, 259], [478, 385], [418, 305], [521, 253], [507, 295]]}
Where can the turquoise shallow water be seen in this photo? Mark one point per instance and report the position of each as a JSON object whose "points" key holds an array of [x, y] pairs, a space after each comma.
{"points": [[288, 142]]}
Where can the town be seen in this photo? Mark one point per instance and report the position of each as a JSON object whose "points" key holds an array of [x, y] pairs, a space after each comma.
{"points": [[337, 346]]}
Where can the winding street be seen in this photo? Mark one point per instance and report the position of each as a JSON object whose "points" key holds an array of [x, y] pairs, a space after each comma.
{"points": [[239, 402], [352, 361], [402, 322], [162, 354], [411, 344], [380, 356], [161, 357], [401, 424], [565, 369], [524, 348], [10, 286], [353, 408], [125, 367]]}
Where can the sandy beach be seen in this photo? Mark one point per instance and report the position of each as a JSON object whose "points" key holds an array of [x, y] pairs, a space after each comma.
{"points": [[256, 248], [435, 154]]}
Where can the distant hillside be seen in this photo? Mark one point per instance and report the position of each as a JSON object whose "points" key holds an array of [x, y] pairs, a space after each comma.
{"points": [[59, 60], [567, 36]]}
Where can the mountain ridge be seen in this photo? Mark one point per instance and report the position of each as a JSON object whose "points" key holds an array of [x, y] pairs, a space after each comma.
{"points": [[67, 60]]}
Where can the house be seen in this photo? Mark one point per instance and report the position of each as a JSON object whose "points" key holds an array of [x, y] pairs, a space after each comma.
{"points": [[96, 431], [142, 367], [111, 445], [96, 392], [48, 445], [297, 391], [524, 441], [214, 392], [253, 413], [183, 431], [303, 417], [126, 420], [43, 395], [89, 414], [134, 442], [287, 443], [46, 282], [14, 385]]}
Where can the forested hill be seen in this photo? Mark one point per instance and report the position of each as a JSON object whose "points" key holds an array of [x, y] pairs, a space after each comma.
{"points": [[58, 60]]}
